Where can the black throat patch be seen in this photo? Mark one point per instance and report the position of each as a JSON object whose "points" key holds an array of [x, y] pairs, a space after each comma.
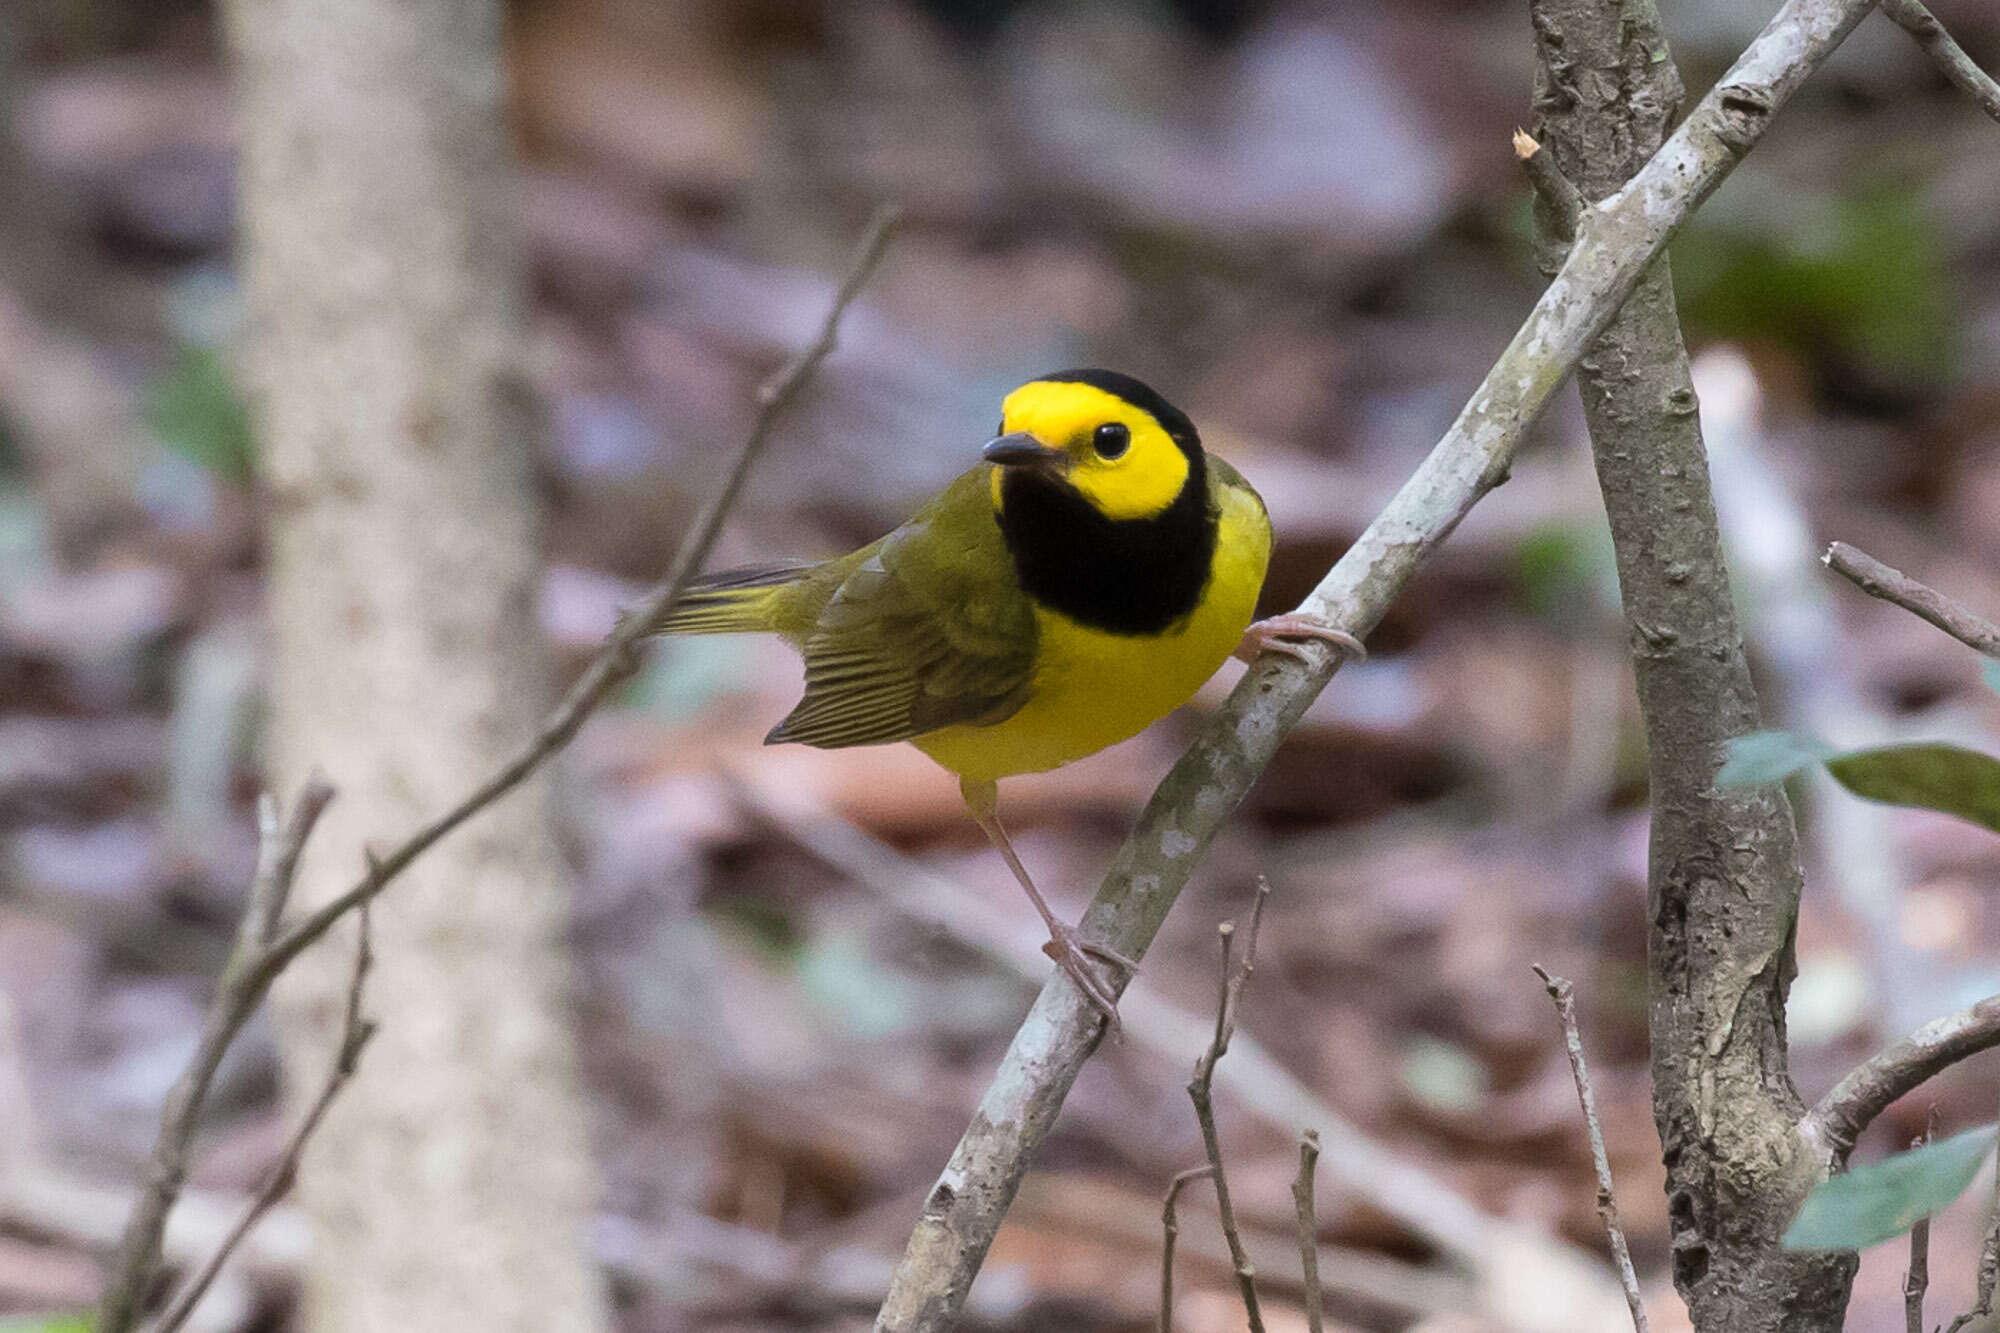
{"points": [[1123, 576]]}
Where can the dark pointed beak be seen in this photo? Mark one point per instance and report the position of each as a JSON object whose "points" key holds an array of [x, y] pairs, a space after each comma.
{"points": [[1021, 449]]}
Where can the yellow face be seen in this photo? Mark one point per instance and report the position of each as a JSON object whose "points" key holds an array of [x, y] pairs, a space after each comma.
{"points": [[1114, 454]]}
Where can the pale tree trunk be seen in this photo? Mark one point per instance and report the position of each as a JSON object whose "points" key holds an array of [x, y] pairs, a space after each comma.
{"points": [[450, 1188]]}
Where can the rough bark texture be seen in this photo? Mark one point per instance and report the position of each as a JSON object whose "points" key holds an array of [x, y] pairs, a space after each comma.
{"points": [[1724, 881], [451, 1187]]}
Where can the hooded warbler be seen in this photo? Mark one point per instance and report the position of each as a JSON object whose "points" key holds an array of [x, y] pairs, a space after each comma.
{"points": [[1076, 585]]}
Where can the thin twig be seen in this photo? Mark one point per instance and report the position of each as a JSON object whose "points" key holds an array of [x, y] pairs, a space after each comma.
{"points": [[1302, 1200], [1564, 996], [272, 883], [1201, 1089], [1557, 191], [1170, 1231], [1917, 1278], [1876, 579], [355, 1032], [258, 958], [1837, 1119], [1920, 23]]}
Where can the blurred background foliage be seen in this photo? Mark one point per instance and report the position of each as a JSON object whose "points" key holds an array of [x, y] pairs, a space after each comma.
{"points": [[1303, 223]]}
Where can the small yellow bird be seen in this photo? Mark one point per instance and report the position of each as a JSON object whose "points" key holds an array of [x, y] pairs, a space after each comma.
{"points": [[1077, 585]]}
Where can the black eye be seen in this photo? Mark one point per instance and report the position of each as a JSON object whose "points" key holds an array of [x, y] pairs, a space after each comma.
{"points": [[1111, 439]]}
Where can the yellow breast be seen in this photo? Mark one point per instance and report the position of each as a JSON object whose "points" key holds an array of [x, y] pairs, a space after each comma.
{"points": [[1093, 689]]}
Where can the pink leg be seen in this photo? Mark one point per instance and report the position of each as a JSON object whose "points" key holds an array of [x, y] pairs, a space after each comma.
{"points": [[1270, 636], [1070, 953]]}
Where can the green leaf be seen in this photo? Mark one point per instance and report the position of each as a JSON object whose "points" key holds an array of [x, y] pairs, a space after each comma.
{"points": [[1989, 671], [1930, 776], [1945, 778], [196, 411], [1769, 756], [1872, 1203]]}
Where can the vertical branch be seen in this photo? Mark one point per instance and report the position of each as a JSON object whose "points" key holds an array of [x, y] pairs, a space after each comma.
{"points": [[1724, 879], [1564, 996], [1302, 1200], [1917, 1277]]}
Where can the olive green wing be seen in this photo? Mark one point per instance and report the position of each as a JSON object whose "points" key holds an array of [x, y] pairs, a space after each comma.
{"points": [[929, 628]]}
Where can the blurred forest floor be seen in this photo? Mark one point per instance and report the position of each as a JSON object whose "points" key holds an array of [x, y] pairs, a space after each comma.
{"points": [[1304, 225]]}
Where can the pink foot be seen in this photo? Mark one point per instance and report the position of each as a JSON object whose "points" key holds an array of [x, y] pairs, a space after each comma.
{"points": [[1072, 955], [1271, 636]]}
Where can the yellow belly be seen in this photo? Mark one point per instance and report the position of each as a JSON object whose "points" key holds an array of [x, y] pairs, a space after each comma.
{"points": [[1094, 689]]}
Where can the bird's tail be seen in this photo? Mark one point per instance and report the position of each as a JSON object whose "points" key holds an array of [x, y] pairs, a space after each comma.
{"points": [[737, 601]]}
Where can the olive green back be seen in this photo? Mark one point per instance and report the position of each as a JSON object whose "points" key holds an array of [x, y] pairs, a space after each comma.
{"points": [[925, 628]]}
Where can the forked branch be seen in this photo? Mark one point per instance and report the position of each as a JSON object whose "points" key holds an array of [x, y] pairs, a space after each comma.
{"points": [[1617, 243], [137, 1259], [355, 1033], [262, 950], [1201, 1091]]}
